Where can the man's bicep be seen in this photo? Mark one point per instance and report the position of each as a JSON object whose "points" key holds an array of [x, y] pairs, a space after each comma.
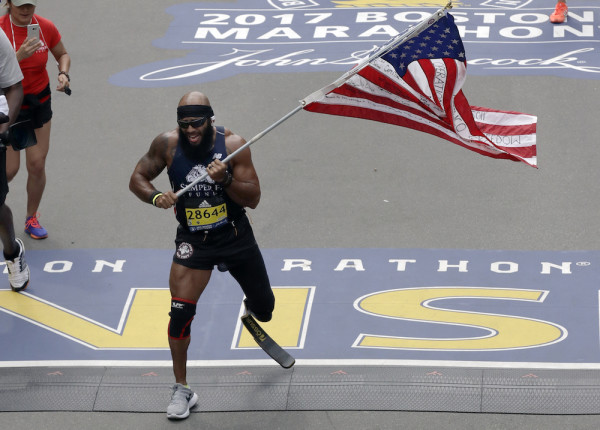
{"points": [[243, 167], [155, 160], [150, 166]]}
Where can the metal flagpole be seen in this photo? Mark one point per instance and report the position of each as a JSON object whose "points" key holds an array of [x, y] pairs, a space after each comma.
{"points": [[401, 38]]}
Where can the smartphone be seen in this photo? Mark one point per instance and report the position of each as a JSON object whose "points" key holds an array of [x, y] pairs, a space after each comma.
{"points": [[33, 31]]}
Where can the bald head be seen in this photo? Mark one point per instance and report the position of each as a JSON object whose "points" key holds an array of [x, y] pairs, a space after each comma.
{"points": [[194, 98], [194, 105]]}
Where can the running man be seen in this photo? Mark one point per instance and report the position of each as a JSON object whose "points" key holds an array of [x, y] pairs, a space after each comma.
{"points": [[213, 228]]}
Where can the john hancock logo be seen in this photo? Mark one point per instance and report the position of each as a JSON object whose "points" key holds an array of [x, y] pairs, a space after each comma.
{"points": [[501, 37]]}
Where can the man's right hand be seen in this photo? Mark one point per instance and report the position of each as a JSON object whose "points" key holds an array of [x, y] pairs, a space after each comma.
{"points": [[166, 200]]}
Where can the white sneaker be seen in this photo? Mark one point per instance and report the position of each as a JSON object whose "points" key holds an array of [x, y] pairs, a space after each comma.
{"points": [[182, 400], [18, 271]]}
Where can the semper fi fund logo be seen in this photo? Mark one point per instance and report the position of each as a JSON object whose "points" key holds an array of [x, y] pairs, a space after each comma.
{"points": [[501, 37]]}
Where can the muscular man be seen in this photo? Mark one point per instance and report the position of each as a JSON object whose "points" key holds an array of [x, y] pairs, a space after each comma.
{"points": [[12, 90], [213, 229]]}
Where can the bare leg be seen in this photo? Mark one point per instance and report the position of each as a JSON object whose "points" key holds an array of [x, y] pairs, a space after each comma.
{"points": [[7, 231], [13, 162], [188, 284], [36, 168], [179, 349]]}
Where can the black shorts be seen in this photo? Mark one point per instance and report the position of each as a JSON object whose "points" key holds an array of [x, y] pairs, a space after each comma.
{"points": [[203, 251], [45, 114], [236, 248], [37, 113]]}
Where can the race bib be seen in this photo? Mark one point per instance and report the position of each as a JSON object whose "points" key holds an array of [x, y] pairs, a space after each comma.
{"points": [[207, 216]]}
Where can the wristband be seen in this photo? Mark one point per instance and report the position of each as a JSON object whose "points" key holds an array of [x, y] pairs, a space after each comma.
{"points": [[155, 196], [227, 181], [66, 74]]}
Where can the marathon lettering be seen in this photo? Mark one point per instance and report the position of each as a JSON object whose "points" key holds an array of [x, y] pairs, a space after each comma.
{"points": [[403, 265], [397, 265], [282, 28]]}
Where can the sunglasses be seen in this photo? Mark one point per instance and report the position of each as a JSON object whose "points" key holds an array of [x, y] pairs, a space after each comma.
{"points": [[194, 123]]}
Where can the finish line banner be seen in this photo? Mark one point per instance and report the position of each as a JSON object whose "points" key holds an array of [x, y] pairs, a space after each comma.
{"points": [[366, 305], [501, 37]]}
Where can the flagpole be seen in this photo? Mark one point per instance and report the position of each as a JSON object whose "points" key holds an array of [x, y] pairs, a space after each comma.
{"points": [[397, 40], [393, 43]]}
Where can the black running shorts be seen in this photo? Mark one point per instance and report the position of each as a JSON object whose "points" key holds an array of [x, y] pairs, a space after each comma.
{"points": [[236, 248], [227, 244]]}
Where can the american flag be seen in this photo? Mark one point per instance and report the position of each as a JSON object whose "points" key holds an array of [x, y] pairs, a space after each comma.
{"points": [[417, 84]]}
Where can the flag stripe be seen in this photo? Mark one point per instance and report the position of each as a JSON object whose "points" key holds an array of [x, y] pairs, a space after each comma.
{"points": [[490, 116], [507, 130], [395, 86], [434, 91], [362, 108], [359, 89], [393, 119]]}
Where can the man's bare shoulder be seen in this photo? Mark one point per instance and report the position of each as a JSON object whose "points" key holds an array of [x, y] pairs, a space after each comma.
{"points": [[233, 141], [164, 145], [168, 137]]}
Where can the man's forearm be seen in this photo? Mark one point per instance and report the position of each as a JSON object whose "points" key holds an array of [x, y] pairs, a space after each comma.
{"points": [[14, 98]]}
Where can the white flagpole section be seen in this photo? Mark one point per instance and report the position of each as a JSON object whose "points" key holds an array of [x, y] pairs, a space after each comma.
{"points": [[398, 40]]}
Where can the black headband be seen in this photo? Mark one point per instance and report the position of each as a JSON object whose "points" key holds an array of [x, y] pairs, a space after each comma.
{"points": [[194, 111]]}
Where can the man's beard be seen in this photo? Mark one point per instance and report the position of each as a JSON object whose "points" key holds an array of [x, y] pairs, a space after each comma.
{"points": [[196, 152]]}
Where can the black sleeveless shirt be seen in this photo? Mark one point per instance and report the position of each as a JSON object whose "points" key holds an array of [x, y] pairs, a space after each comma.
{"points": [[205, 206]]}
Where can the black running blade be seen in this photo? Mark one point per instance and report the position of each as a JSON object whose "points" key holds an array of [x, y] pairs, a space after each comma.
{"points": [[268, 345]]}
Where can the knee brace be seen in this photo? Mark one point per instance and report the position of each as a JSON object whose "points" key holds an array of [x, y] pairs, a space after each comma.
{"points": [[182, 313]]}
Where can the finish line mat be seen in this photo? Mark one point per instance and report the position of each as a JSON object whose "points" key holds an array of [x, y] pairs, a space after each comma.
{"points": [[466, 308], [340, 388]]}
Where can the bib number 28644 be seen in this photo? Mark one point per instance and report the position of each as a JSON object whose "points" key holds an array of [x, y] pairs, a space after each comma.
{"points": [[206, 217]]}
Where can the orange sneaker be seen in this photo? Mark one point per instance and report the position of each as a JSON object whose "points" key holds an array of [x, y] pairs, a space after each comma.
{"points": [[560, 13]]}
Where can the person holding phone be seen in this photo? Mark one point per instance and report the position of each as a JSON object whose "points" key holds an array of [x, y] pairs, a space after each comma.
{"points": [[22, 25]]}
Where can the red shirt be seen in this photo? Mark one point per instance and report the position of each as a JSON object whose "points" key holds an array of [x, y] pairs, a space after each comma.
{"points": [[35, 75]]}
